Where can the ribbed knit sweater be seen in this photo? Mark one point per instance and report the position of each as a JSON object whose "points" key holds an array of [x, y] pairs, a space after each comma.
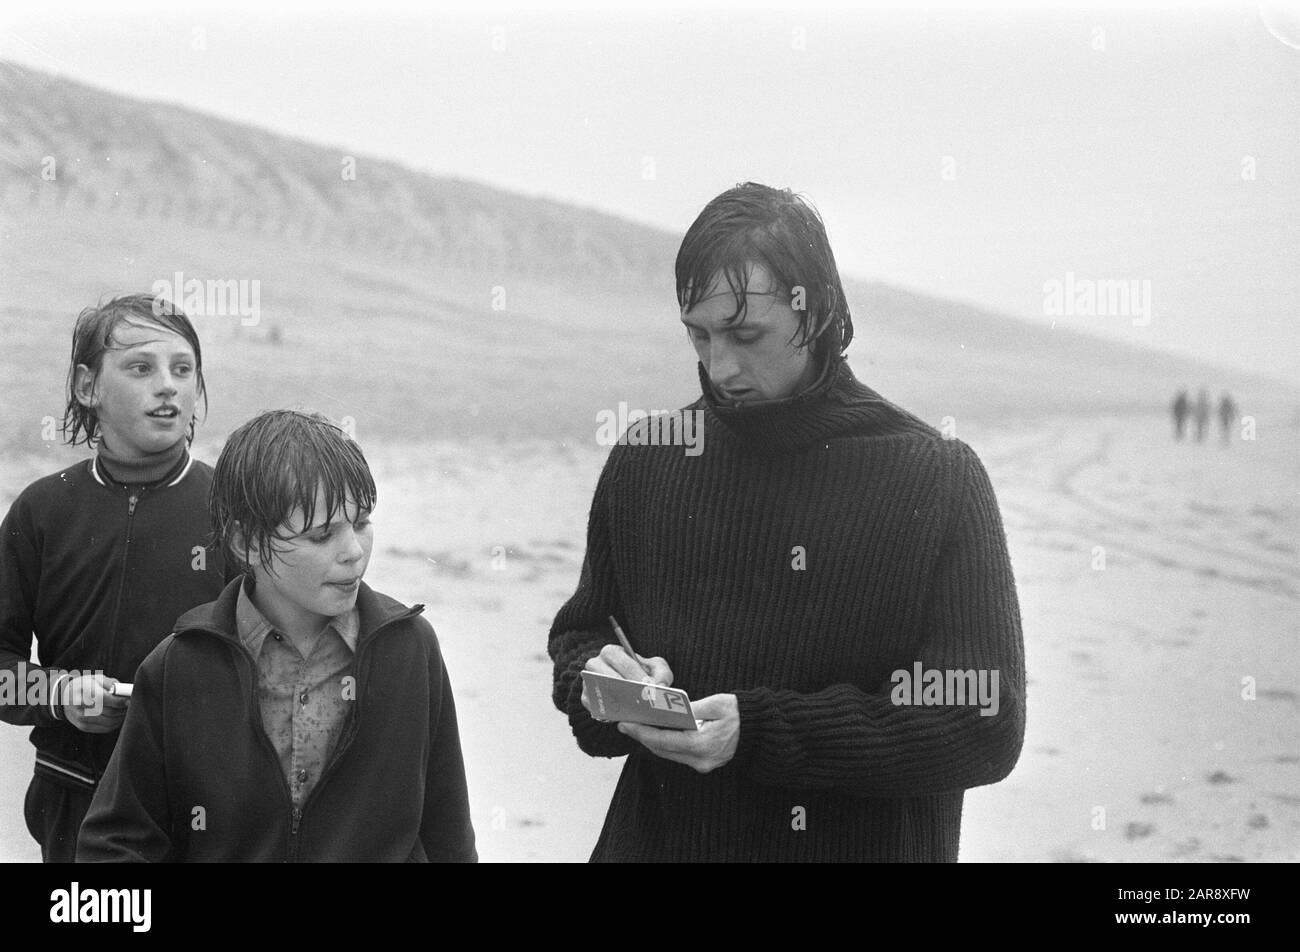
{"points": [[816, 546]]}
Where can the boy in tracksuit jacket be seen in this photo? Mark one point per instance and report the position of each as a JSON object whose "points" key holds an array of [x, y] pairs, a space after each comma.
{"points": [[302, 716], [97, 560]]}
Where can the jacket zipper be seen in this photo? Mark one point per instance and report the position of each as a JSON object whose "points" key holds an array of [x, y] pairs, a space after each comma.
{"points": [[133, 499], [296, 813], [351, 727], [110, 657]]}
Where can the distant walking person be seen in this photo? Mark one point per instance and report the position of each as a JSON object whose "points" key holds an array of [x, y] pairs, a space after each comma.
{"points": [[1182, 406], [1202, 411], [1227, 415]]}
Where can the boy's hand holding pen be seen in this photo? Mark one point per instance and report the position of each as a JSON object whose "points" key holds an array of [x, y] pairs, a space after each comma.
{"points": [[621, 661]]}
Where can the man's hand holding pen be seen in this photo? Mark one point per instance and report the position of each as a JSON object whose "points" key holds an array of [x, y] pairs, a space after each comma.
{"points": [[615, 662], [706, 749], [621, 661]]}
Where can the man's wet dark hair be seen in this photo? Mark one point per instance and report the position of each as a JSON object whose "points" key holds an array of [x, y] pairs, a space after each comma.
{"points": [[756, 224], [274, 464], [92, 337]]}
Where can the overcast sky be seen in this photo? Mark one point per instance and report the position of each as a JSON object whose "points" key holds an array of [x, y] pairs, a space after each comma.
{"points": [[972, 154]]}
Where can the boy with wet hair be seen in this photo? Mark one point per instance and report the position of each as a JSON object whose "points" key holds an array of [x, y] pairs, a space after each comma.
{"points": [[97, 560], [302, 716]]}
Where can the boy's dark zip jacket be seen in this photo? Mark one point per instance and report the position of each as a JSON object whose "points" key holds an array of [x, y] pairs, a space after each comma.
{"points": [[98, 571], [197, 779]]}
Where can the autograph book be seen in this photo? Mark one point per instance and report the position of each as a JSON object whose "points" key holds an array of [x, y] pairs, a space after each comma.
{"points": [[618, 699]]}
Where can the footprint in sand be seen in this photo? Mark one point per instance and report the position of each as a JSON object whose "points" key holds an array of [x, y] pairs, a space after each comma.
{"points": [[1138, 831], [1156, 798], [1257, 821], [1279, 694], [1219, 777], [442, 562], [1290, 799], [1287, 759], [1071, 856], [1186, 848]]}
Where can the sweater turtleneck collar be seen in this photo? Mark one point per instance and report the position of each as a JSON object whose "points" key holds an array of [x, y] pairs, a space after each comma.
{"points": [[147, 469], [836, 405]]}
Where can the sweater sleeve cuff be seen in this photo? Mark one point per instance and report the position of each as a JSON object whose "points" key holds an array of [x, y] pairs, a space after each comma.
{"points": [[596, 738], [754, 707]]}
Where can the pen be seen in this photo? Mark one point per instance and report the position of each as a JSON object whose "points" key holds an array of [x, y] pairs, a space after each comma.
{"points": [[627, 645]]}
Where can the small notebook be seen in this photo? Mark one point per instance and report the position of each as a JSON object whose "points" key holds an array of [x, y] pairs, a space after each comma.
{"points": [[618, 699]]}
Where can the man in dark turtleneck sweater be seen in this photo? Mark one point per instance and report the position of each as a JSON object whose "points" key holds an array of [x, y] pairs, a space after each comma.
{"points": [[828, 580]]}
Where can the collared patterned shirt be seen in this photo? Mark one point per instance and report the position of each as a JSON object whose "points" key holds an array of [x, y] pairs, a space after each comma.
{"points": [[304, 701]]}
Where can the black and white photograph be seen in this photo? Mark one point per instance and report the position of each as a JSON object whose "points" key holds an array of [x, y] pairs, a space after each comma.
{"points": [[664, 433]]}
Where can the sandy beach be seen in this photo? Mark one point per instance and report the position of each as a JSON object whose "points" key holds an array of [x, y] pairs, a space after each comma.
{"points": [[1159, 586]]}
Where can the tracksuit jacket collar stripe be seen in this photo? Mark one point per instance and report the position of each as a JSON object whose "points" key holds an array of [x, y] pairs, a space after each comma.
{"points": [[189, 463]]}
